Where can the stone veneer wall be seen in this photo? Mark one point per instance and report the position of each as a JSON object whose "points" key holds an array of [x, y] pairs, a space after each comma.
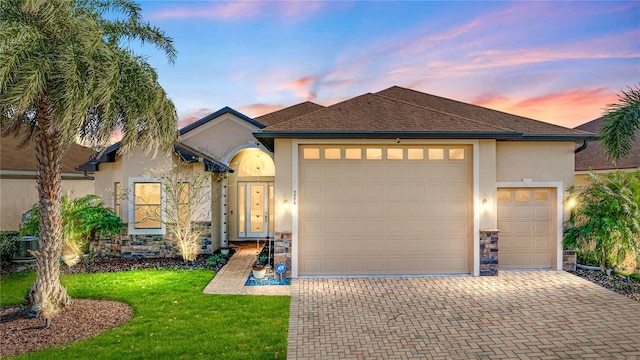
{"points": [[145, 246], [282, 251], [569, 260], [489, 252]]}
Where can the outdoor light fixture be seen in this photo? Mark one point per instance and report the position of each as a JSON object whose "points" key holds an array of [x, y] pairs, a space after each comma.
{"points": [[485, 204], [285, 204], [571, 202]]}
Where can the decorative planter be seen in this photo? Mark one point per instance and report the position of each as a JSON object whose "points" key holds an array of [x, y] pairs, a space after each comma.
{"points": [[224, 251], [259, 272]]}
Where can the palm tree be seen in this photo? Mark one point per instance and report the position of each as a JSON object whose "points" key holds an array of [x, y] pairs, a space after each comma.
{"points": [[66, 74], [621, 124]]}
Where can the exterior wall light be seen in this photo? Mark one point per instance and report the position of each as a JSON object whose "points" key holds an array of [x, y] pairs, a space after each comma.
{"points": [[285, 204], [571, 203], [485, 204]]}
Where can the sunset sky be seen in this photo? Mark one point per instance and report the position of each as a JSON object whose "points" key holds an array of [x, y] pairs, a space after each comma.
{"points": [[560, 62]]}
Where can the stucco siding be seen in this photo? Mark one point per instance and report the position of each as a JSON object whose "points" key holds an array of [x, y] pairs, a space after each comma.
{"points": [[18, 195], [228, 132], [539, 161]]}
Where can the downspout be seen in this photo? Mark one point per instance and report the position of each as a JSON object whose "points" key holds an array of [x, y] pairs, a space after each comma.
{"points": [[582, 147]]}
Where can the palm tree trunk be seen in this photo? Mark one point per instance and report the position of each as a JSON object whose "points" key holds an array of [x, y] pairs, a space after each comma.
{"points": [[47, 295]]}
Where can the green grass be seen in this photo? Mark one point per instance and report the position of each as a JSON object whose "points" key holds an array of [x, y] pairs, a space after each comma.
{"points": [[172, 318]]}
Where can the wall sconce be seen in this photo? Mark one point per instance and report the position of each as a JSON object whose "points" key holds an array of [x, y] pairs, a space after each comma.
{"points": [[571, 203], [285, 204], [485, 204]]}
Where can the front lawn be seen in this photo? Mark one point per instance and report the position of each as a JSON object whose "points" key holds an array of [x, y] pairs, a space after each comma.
{"points": [[172, 318]]}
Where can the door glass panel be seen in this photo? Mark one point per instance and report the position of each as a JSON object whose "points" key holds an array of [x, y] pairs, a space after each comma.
{"points": [[257, 208], [241, 209]]}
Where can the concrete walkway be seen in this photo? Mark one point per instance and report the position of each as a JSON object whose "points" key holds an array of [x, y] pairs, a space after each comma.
{"points": [[231, 278], [517, 315]]}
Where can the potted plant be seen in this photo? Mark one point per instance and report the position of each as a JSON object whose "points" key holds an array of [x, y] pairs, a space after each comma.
{"points": [[225, 250], [259, 271]]}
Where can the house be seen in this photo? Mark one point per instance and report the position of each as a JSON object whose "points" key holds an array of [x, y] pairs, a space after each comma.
{"points": [[393, 182], [18, 178], [594, 159]]}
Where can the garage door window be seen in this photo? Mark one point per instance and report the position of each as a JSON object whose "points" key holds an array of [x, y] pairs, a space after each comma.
{"points": [[374, 154], [523, 195], [353, 154], [541, 195], [311, 154], [415, 154], [332, 154], [436, 154], [395, 154], [456, 154]]}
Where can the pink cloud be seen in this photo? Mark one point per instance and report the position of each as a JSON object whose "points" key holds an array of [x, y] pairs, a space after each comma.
{"points": [[567, 108], [235, 10], [193, 116], [255, 110], [302, 87]]}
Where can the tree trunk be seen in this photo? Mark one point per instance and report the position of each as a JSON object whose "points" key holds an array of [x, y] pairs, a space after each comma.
{"points": [[47, 295]]}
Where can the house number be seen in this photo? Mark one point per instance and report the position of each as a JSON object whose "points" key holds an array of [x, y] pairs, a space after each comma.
{"points": [[294, 197]]}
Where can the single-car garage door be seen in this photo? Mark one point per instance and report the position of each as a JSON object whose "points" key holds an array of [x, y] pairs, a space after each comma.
{"points": [[384, 209], [526, 220]]}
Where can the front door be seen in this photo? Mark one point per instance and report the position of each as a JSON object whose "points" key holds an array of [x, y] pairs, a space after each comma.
{"points": [[254, 202]]}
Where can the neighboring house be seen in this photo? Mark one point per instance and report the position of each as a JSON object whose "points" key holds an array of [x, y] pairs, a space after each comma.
{"points": [[396, 182], [18, 173], [594, 158]]}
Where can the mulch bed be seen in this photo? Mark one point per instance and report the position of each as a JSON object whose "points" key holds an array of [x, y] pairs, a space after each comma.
{"points": [[628, 287]]}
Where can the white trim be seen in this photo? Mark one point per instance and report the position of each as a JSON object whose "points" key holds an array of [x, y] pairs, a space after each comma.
{"points": [[559, 208], [215, 121], [295, 195], [249, 145], [131, 230], [477, 208]]}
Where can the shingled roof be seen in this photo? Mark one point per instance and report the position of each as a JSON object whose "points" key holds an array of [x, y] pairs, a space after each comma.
{"points": [[594, 156], [400, 112], [287, 113], [16, 161]]}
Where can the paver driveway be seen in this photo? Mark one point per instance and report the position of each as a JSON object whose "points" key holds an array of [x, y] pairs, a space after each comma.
{"points": [[517, 315]]}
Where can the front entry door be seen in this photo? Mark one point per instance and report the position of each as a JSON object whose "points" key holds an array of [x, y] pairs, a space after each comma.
{"points": [[254, 200]]}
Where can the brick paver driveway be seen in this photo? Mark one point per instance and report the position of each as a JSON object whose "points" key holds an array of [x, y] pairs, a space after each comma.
{"points": [[517, 315]]}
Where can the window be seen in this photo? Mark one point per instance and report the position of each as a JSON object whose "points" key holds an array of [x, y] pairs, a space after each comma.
{"points": [[395, 154], [353, 154], [117, 194], [523, 195], [147, 205], [541, 195], [415, 154], [374, 154], [311, 154], [332, 154], [456, 154], [436, 154]]}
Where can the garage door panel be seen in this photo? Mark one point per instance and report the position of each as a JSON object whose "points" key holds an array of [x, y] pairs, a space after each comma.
{"points": [[526, 223], [396, 216]]}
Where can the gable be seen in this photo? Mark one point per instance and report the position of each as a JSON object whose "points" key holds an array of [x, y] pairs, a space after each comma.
{"points": [[218, 137]]}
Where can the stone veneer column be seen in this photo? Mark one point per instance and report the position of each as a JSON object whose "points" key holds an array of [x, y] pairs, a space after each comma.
{"points": [[489, 252], [569, 260], [282, 251]]}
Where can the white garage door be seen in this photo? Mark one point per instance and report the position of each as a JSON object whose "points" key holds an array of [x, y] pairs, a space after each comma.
{"points": [[384, 210], [526, 220]]}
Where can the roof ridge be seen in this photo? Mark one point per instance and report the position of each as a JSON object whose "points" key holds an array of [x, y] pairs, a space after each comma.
{"points": [[446, 113], [295, 117], [323, 108], [480, 107]]}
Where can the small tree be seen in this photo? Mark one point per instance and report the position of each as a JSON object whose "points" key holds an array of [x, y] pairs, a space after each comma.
{"points": [[606, 218], [84, 219], [187, 200]]}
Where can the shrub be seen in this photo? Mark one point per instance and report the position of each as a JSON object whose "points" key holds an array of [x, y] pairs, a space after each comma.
{"points": [[8, 245], [606, 218], [216, 260]]}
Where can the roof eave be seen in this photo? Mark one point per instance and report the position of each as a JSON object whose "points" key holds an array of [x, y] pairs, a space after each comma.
{"points": [[217, 114]]}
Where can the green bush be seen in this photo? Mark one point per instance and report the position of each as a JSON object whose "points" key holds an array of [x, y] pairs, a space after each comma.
{"points": [[216, 260], [8, 245]]}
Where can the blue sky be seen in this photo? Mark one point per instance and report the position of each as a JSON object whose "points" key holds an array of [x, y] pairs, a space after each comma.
{"points": [[560, 62]]}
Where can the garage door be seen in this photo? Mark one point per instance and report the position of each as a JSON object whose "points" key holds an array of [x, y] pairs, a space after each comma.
{"points": [[384, 210], [526, 220]]}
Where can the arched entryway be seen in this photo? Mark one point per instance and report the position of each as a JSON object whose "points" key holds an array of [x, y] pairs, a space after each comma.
{"points": [[251, 195]]}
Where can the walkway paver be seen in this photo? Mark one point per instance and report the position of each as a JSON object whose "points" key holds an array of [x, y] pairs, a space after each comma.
{"points": [[517, 315], [232, 277]]}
